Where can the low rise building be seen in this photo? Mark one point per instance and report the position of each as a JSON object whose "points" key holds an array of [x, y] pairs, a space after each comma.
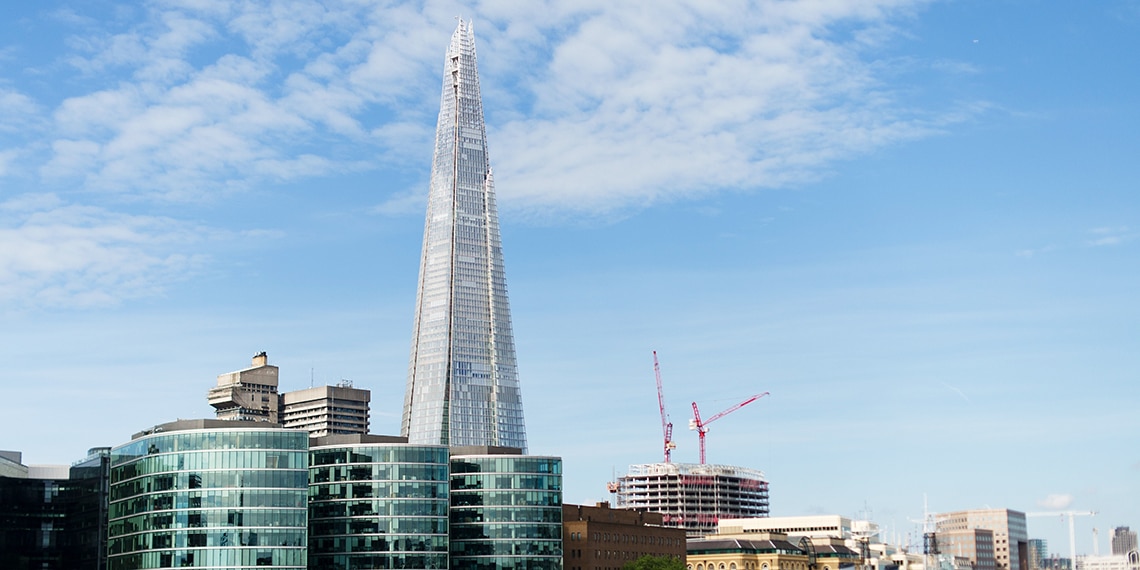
{"points": [[760, 551], [602, 538]]}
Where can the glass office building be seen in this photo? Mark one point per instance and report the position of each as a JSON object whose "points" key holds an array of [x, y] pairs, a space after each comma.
{"points": [[463, 385], [377, 504], [506, 512], [209, 494], [53, 517]]}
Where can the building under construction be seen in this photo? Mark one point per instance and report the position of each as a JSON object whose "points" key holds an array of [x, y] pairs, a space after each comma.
{"points": [[694, 497]]}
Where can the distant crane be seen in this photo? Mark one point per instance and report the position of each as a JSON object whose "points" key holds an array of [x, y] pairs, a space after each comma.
{"points": [[1072, 534], [666, 425], [702, 427]]}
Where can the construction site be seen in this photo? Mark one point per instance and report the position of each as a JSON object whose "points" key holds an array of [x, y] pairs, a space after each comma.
{"points": [[692, 496]]}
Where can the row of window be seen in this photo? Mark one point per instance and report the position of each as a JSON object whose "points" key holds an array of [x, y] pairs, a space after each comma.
{"points": [[397, 525], [378, 490], [506, 514], [377, 561], [505, 563], [209, 460], [506, 465], [379, 472], [378, 508], [507, 498], [190, 441], [630, 538], [506, 548], [228, 538], [211, 480], [230, 499], [398, 454], [507, 482], [209, 518], [277, 557], [506, 531], [396, 543]]}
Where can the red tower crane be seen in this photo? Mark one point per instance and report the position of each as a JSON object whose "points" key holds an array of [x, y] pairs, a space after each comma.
{"points": [[702, 427], [666, 425]]}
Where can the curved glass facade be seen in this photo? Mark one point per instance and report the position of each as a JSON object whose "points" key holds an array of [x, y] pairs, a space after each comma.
{"points": [[209, 498], [506, 512], [378, 506]]}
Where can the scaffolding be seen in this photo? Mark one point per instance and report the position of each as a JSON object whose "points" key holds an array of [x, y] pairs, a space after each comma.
{"points": [[694, 497]]}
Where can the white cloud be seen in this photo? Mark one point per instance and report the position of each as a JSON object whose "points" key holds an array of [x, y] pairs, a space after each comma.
{"points": [[58, 254], [1056, 501], [599, 106], [1110, 236]]}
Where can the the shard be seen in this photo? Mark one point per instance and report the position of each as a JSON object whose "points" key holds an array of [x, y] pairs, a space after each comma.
{"points": [[463, 386]]}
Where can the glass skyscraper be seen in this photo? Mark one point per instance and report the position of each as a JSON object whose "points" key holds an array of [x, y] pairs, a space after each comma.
{"points": [[463, 386]]}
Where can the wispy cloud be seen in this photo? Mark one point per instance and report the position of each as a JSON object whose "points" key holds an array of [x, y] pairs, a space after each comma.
{"points": [[1110, 236], [956, 390], [1032, 252], [598, 106], [1056, 501], [58, 254]]}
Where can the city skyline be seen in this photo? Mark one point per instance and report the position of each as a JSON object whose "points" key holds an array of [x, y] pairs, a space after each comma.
{"points": [[912, 222]]}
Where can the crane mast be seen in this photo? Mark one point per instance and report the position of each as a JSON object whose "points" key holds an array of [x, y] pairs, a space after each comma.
{"points": [[666, 425], [702, 426]]}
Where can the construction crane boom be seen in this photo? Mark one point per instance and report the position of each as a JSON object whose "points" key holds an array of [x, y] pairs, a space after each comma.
{"points": [[702, 426], [1072, 534], [666, 425]]}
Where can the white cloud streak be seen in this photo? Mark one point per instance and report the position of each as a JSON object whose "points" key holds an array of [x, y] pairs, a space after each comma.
{"points": [[55, 254], [599, 106], [1056, 501]]}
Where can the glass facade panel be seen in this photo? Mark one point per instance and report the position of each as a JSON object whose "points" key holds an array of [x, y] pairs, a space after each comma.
{"points": [[463, 386], [378, 506], [506, 512], [210, 498]]}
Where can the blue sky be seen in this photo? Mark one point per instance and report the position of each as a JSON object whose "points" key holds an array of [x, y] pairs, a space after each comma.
{"points": [[914, 223]]}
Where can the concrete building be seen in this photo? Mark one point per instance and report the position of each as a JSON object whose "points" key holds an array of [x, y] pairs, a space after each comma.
{"points": [[249, 394], [377, 502], [209, 494], [326, 410], [602, 538], [694, 497], [1009, 536], [506, 510], [463, 382], [1123, 540]]}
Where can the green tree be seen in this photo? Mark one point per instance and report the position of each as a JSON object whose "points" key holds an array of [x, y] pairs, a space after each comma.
{"points": [[655, 563]]}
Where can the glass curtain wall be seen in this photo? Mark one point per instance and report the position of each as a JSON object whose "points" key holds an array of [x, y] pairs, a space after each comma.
{"points": [[378, 506], [506, 512], [209, 498]]}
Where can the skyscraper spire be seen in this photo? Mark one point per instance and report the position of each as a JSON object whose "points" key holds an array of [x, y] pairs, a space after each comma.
{"points": [[463, 386]]}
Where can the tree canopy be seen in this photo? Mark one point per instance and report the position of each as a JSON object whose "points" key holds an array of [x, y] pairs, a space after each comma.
{"points": [[655, 563]]}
